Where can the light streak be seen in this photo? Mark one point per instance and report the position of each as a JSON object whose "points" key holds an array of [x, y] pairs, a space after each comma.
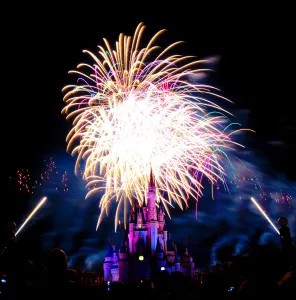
{"points": [[42, 201], [265, 215]]}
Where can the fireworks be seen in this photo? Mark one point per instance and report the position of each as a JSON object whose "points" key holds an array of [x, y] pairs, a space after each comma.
{"points": [[282, 198], [65, 182], [134, 110], [243, 182], [29, 185]]}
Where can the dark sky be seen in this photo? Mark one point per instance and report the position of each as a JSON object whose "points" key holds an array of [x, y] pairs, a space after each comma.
{"points": [[40, 44]]}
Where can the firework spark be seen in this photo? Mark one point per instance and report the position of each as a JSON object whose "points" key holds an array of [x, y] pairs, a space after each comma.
{"points": [[27, 184], [134, 110]]}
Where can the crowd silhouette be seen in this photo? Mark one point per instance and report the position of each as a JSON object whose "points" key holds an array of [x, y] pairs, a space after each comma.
{"points": [[267, 271]]}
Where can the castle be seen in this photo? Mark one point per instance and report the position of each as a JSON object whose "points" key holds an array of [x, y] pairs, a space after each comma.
{"points": [[148, 248]]}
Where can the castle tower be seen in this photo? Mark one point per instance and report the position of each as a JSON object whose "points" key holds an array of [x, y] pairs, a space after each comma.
{"points": [[115, 268], [161, 217], [165, 238], [160, 262], [188, 266], [131, 232], [152, 214], [177, 261], [140, 218], [108, 263], [192, 266], [145, 212], [123, 263]]}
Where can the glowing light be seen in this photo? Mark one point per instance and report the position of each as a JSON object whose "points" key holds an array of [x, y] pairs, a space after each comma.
{"points": [[137, 109], [265, 215], [141, 257], [31, 214]]}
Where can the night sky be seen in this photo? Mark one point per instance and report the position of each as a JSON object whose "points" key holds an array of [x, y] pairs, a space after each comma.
{"points": [[41, 44]]}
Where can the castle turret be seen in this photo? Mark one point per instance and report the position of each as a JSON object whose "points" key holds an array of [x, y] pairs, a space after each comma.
{"points": [[152, 214], [108, 263], [160, 262], [123, 263], [177, 261], [115, 268], [161, 216], [158, 250], [188, 266], [165, 238], [131, 232], [140, 218], [145, 212]]}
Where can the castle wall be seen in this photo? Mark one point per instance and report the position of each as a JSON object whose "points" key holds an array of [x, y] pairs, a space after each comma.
{"points": [[107, 271], [115, 274], [154, 235], [123, 270]]}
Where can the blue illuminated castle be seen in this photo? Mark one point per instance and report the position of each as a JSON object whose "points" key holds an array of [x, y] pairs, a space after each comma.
{"points": [[147, 248]]}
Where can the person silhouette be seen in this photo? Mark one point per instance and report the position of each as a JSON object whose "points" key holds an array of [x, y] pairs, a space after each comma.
{"points": [[286, 241], [8, 238], [7, 249], [285, 234]]}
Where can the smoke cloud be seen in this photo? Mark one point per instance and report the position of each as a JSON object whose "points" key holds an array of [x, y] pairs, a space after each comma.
{"points": [[225, 217]]}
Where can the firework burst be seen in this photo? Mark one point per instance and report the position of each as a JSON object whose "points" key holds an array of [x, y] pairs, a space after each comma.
{"points": [[134, 110]]}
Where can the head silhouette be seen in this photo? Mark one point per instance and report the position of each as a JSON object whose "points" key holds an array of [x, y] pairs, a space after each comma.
{"points": [[57, 261], [283, 221]]}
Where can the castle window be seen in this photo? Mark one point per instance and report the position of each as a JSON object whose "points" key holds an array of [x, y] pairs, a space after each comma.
{"points": [[140, 222]]}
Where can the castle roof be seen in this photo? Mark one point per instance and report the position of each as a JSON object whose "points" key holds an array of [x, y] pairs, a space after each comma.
{"points": [[132, 217], [170, 245], [114, 248], [109, 251], [161, 207], [141, 214], [122, 247], [151, 182], [176, 257], [158, 247]]}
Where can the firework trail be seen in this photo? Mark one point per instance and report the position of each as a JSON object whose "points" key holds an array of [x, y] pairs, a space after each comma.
{"points": [[42, 201], [265, 215], [135, 110]]}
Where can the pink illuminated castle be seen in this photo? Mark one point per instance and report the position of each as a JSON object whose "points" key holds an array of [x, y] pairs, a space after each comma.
{"points": [[147, 248]]}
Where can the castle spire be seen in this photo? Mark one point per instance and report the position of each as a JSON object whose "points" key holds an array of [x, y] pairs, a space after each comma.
{"points": [[133, 206], [151, 182], [109, 251], [176, 255], [122, 247]]}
